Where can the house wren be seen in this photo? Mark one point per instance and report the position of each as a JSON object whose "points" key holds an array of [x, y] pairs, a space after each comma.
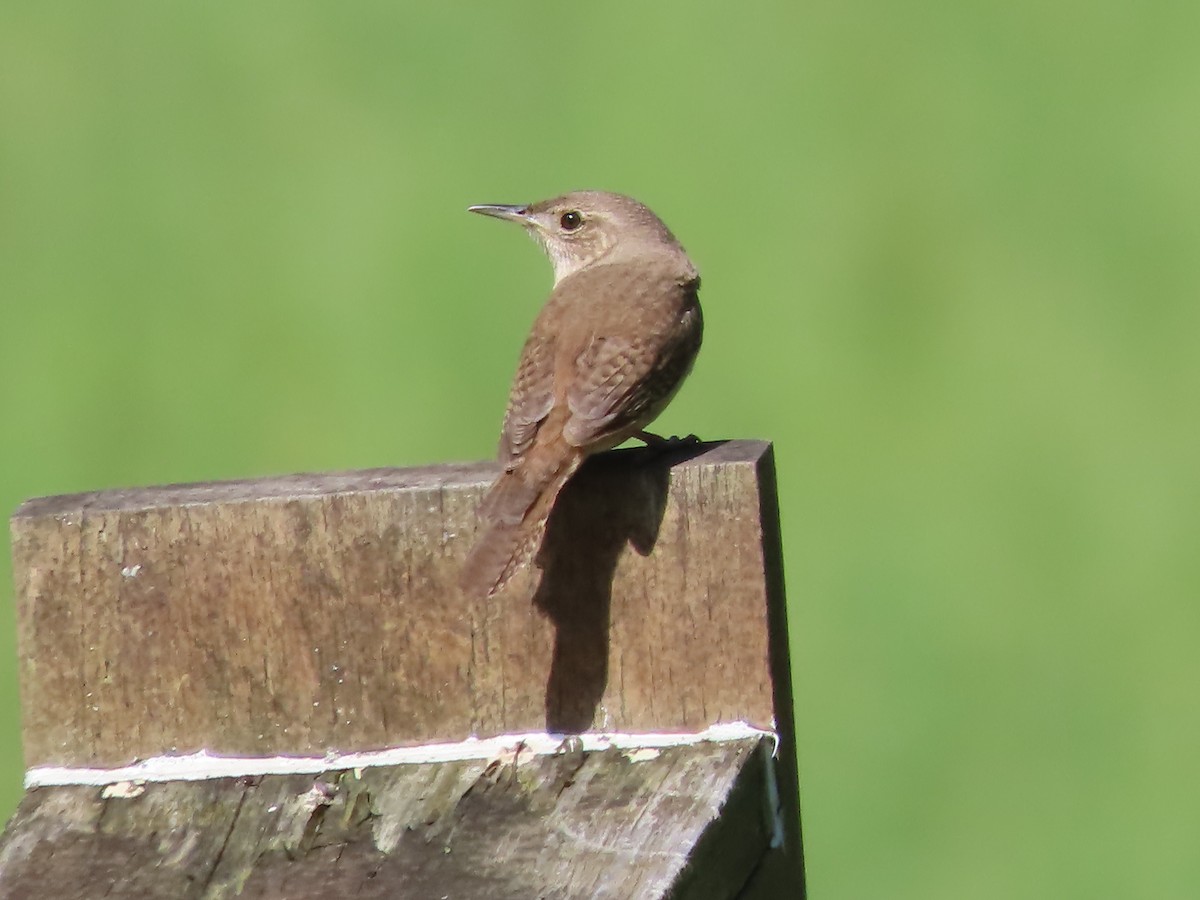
{"points": [[605, 355]]}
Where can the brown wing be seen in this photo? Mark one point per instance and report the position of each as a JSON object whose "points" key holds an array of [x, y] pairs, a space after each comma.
{"points": [[623, 381], [530, 399]]}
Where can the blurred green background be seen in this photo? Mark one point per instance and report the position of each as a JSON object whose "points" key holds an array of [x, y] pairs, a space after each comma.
{"points": [[951, 259]]}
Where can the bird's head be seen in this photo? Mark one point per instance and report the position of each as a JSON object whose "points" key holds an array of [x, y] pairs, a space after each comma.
{"points": [[582, 228]]}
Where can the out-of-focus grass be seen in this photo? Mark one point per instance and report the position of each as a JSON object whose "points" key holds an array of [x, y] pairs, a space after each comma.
{"points": [[950, 267]]}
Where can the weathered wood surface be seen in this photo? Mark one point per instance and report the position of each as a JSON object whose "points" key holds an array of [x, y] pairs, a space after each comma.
{"points": [[687, 823], [302, 614], [308, 614]]}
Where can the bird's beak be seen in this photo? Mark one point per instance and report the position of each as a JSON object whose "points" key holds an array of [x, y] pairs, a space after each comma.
{"points": [[499, 211]]}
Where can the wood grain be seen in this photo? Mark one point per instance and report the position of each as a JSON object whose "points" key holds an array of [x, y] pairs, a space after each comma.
{"points": [[686, 824], [313, 612]]}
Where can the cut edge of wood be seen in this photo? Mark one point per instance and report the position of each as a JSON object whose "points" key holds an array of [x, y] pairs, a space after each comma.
{"points": [[402, 824], [318, 484], [203, 766]]}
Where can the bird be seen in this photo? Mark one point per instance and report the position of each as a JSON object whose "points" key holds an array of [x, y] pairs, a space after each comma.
{"points": [[609, 350]]}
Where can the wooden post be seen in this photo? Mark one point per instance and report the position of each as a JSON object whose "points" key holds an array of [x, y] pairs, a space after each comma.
{"points": [[314, 616]]}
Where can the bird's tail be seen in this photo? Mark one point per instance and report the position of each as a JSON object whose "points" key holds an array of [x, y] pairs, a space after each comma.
{"points": [[514, 513]]}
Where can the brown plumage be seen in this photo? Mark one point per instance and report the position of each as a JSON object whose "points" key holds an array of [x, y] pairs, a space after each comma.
{"points": [[606, 354]]}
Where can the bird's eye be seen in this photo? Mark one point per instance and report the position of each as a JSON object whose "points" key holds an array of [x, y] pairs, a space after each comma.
{"points": [[570, 220]]}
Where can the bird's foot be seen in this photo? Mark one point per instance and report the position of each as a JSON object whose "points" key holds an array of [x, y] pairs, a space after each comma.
{"points": [[658, 442]]}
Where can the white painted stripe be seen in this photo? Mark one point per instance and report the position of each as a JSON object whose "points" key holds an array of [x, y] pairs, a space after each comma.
{"points": [[203, 765]]}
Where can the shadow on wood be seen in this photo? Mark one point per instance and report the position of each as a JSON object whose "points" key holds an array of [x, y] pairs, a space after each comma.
{"points": [[604, 508]]}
